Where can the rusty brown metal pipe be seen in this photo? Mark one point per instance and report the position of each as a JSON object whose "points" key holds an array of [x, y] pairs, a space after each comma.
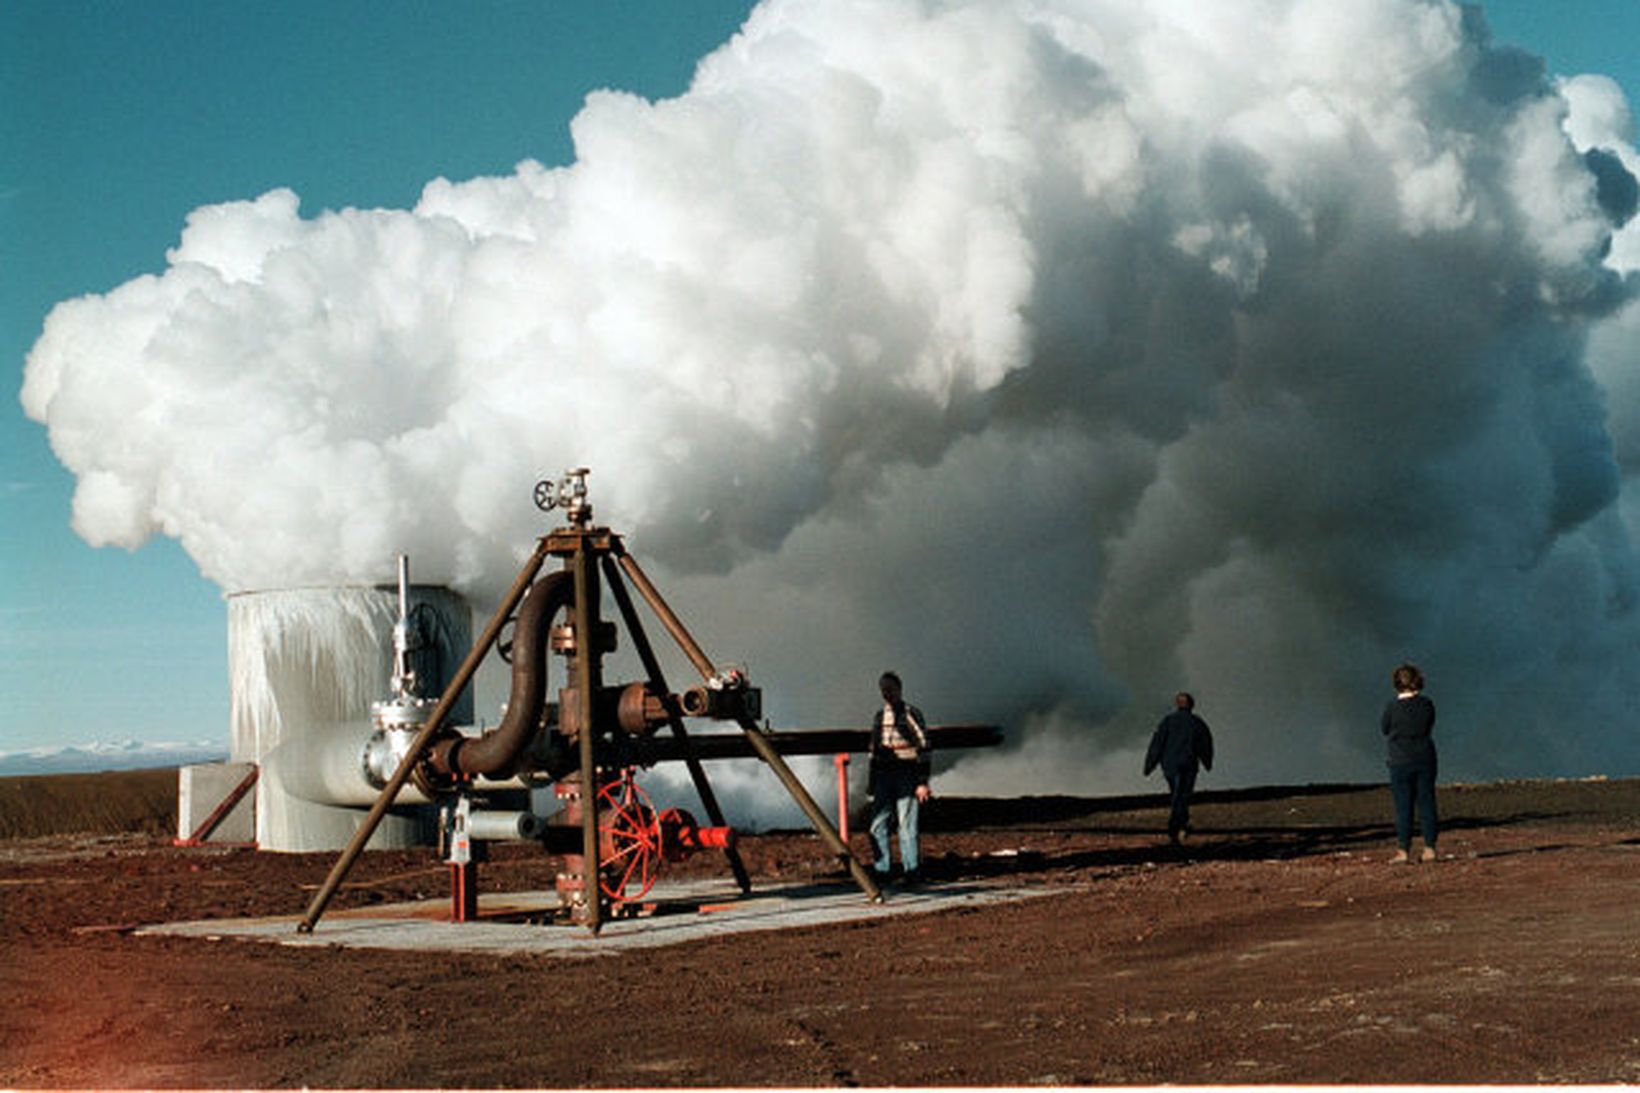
{"points": [[496, 752], [587, 680], [709, 746], [639, 710], [674, 626]]}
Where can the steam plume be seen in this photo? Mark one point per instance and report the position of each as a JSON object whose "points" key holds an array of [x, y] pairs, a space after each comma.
{"points": [[1060, 355]]}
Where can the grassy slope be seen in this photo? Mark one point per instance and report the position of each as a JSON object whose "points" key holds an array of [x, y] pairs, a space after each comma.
{"points": [[109, 803]]}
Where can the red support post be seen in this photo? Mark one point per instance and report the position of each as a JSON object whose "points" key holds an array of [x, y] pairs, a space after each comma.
{"points": [[840, 761], [463, 891]]}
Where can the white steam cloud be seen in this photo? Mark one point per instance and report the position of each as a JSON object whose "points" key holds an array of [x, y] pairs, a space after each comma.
{"points": [[1058, 354]]}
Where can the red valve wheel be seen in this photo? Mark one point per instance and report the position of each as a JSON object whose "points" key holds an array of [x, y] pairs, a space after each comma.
{"points": [[629, 840]]}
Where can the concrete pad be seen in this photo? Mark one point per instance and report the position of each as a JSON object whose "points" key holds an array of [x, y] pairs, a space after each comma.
{"points": [[681, 912], [201, 789]]}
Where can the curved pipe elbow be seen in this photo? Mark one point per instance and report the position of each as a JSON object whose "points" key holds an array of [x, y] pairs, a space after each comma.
{"points": [[496, 752]]}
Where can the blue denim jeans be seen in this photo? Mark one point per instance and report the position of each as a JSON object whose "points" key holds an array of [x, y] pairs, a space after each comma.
{"points": [[1413, 787], [894, 805]]}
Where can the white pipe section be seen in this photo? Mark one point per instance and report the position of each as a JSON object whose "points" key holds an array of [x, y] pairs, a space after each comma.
{"points": [[326, 766], [489, 826]]}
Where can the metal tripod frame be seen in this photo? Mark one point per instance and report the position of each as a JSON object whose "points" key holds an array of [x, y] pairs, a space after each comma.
{"points": [[587, 553]]}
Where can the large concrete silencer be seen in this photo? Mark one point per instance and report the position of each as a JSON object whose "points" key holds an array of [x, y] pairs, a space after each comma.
{"points": [[305, 665]]}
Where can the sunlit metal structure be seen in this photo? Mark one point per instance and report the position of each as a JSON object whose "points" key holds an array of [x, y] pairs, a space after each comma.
{"points": [[585, 743]]}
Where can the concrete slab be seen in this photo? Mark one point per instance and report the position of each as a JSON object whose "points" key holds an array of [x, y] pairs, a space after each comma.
{"points": [[682, 912], [204, 787]]}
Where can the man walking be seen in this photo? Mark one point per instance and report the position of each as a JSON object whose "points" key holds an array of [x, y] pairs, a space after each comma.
{"points": [[899, 778], [1180, 742]]}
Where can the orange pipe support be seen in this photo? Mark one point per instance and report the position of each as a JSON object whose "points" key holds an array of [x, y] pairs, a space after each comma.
{"points": [[840, 761]]}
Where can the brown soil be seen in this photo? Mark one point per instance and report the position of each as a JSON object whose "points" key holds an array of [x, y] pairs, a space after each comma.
{"points": [[1281, 948]]}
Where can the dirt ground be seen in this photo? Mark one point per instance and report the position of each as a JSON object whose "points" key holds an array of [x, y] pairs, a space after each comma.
{"points": [[1280, 947]]}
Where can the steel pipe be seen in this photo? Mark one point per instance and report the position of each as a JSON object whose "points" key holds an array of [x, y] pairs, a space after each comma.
{"points": [[497, 826], [840, 761], [587, 679], [497, 751], [328, 767], [674, 626], [724, 745]]}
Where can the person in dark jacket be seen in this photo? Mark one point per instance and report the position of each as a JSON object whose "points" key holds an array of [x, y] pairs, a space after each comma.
{"points": [[1407, 723], [899, 779], [1180, 742]]}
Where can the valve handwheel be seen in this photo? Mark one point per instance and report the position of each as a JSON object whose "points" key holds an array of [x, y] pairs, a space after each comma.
{"points": [[629, 840], [546, 495]]}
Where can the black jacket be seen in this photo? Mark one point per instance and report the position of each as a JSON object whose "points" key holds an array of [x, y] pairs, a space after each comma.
{"points": [[1179, 743], [1407, 724]]}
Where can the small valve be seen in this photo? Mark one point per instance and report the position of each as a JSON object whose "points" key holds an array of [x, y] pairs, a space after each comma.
{"points": [[568, 493]]}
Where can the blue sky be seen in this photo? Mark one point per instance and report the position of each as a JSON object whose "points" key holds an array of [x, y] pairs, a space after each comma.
{"points": [[119, 119]]}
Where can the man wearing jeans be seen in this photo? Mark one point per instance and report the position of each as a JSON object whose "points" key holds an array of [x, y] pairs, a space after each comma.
{"points": [[899, 778], [1180, 743]]}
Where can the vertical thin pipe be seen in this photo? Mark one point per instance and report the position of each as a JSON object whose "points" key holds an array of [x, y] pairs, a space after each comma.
{"points": [[401, 632], [586, 682], [840, 761]]}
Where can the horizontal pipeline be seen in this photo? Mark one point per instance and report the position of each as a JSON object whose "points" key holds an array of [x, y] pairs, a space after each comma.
{"points": [[724, 745]]}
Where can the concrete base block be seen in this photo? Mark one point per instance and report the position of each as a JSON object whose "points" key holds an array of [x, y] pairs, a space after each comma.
{"points": [[204, 786]]}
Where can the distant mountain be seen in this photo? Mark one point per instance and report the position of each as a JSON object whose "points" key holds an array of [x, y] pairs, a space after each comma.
{"points": [[123, 755]]}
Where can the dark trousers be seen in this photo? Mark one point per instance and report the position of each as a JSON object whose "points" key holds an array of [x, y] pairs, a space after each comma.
{"points": [[1181, 783], [1413, 787]]}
